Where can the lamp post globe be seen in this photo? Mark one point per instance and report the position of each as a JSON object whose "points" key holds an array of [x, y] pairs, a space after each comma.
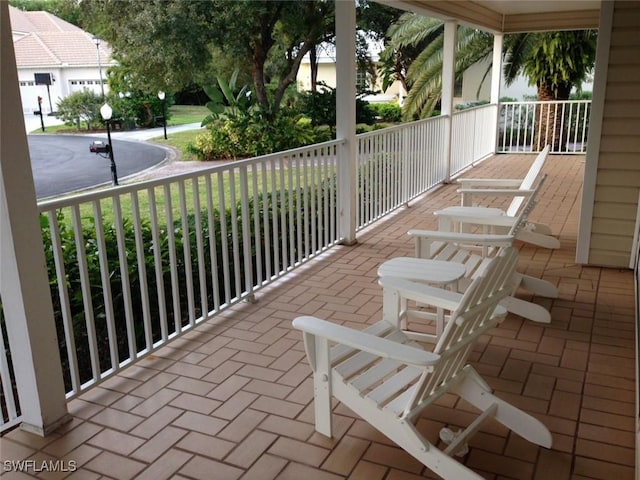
{"points": [[106, 111], [161, 96]]}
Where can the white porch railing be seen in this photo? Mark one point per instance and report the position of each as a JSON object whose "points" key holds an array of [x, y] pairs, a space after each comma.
{"points": [[529, 126], [397, 164], [135, 266], [472, 136], [153, 259], [10, 410]]}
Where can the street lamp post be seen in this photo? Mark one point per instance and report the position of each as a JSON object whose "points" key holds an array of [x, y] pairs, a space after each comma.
{"points": [[161, 96], [106, 113], [97, 40]]}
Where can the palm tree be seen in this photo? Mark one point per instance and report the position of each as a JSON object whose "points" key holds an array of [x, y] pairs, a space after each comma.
{"points": [[413, 56], [555, 62]]}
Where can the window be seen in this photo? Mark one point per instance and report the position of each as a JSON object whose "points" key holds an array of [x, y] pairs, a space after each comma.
{"points": [[457, 87], [362, 80], [27, 83]]}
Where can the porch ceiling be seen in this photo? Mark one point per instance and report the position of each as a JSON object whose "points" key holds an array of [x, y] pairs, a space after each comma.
{"points": [[510, 16]]}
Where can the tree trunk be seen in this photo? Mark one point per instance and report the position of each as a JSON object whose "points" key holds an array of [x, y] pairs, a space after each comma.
{"points": [[549, 116], [313, 65]]}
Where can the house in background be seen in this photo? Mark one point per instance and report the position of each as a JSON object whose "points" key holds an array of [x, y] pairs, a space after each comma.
{"points": [[474, 89], [50, 50], [326, 58], [475, 84]]}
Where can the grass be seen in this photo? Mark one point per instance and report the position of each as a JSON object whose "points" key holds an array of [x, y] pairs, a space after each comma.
{"points": [[179, 115], [180, 141], [183, 114]]}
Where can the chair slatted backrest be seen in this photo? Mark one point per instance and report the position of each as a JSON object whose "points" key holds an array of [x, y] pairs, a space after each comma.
{"points": [[528, 180], [473, 317]]}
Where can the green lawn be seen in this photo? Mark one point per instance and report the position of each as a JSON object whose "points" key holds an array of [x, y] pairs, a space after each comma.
{"points": [[180, 140], [182, 114]]}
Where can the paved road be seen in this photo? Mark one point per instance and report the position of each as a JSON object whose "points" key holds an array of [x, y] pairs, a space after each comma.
{"points": [[63, 163]]}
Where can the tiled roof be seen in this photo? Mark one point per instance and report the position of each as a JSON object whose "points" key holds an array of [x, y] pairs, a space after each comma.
{"points": [[46, 40], [29, 22], [60, 48]]}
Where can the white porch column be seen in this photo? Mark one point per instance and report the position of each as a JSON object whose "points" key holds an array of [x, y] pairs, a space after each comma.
{"points": [[346, 116], [24, 285], [448, 84], [496, 78], [496, 67]]}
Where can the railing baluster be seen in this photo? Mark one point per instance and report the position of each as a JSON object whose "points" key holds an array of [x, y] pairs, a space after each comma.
{"points": [[158, 268], [85, 285], [260, 236], [6, 382], [186, 249], [235, 237], [105, 275], [202, 273], [173, 260], [142, 272], [213, 243], [63, 295], [245, 216], [125, 280], [224, 247]]}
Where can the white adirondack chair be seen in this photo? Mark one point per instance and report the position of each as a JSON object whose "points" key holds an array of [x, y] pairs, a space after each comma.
{"points": [[388, 379], [474, 251], [467, 213]]}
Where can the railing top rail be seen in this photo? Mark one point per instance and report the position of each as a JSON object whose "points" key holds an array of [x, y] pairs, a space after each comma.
{"points": [[477, 107], [52, 204], [400, 127], [533, 102]]}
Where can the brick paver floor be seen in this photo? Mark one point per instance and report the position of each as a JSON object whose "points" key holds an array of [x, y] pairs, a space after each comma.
{"points": [[233, 398]]}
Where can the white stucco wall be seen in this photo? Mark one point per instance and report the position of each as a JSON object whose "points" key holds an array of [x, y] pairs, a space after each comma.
{"points": [[65, 81]]}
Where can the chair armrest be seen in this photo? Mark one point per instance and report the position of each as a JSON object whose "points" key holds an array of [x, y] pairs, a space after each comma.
{"points": [[366, 342], [520, 192], [473, 218], [489, 182], [491, 240]]}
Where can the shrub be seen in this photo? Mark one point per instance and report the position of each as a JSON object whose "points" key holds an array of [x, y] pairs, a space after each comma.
{"points": [[139, 108], [80, 106], [251, 134], [387, 112], [320, 107]]}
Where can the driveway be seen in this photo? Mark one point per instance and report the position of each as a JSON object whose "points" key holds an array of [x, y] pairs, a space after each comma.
{"points": [[63, 163]]}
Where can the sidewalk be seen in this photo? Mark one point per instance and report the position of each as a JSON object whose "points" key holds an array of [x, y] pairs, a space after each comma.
{"points": [[32, 122]]}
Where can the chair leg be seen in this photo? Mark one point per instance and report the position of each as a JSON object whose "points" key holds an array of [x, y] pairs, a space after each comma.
{"points": [[317, 349], [528, 310], [322, 404], [432, 457], [540, 228], [528, 427], [539, 286], [535, 238]]}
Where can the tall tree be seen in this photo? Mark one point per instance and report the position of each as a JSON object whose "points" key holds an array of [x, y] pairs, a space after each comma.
{"points": [[414, 56], [555, 62], [168, 42], [68, 10]]}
